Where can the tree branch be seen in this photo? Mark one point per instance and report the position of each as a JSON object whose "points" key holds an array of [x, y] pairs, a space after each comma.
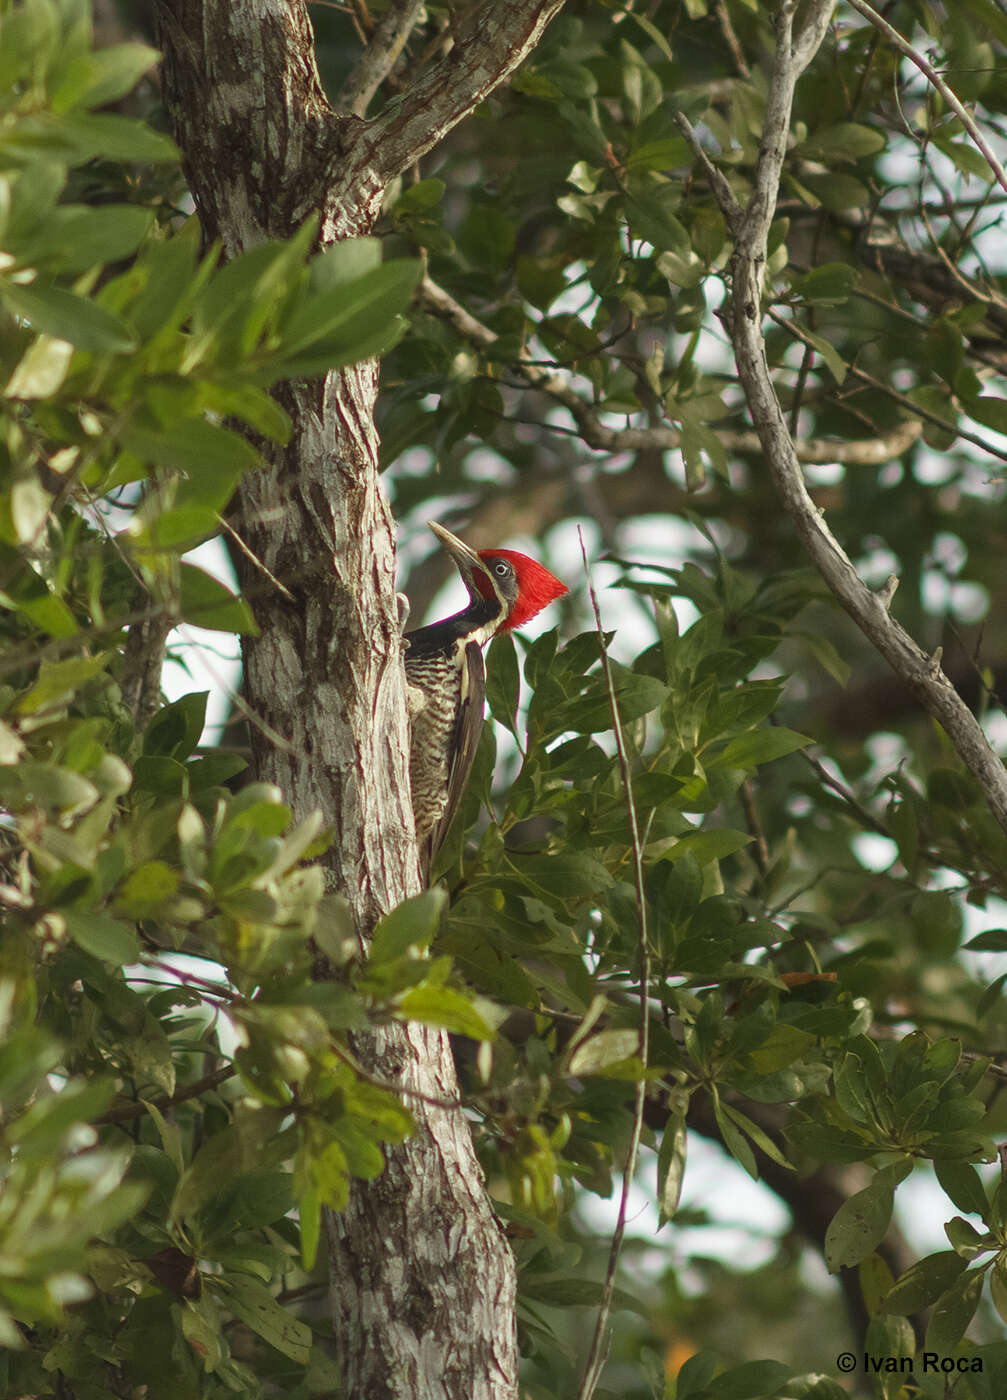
{"points": [[922, 673], [379, 57], [945, 424], [144, 658], [866, 452], [124, 1112], [490, 41]]}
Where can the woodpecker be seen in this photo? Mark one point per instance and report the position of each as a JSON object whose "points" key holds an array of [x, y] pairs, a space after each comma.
{"points": [[446, 677]]}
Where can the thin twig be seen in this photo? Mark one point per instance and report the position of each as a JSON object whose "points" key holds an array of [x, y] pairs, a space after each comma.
{"points": [[752, 821], [390, 1086], [937, 82], [383, 50], [872, 382], [866, 818], [599, 1341], [127, 1111], [257, 563], [727, 29]]}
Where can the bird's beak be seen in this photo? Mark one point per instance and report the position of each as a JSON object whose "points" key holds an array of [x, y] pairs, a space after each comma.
{"points": [[463, 555]]}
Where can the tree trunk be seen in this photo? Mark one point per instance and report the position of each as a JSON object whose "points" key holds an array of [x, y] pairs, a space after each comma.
{"points": [[423, 1281]]}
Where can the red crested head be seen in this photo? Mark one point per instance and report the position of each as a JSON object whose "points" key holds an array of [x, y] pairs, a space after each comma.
{"points": [[526, 585]]}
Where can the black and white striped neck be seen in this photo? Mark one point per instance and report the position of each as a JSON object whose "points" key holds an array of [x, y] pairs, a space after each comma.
{"points": [[476, 623]]}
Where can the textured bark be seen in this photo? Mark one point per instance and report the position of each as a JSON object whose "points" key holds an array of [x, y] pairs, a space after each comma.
{"points": [[145, 647], [423, 1282]]}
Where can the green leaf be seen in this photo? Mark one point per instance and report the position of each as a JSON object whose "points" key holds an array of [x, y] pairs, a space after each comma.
{"points": [[991, 996], [146, 888], [79, 137], [77, 237], [998, 1285], [253, 406], [350, 312], [601, 1050], [844, 141], [966, 157], [99, 78], [890, 1339], [503, 682], [835, 191], [962, 1185], [218, 1162], [309, 1212], [41, 370], [665, 154], [991, 940], [758, 747], [443, 1006], [860, 1224], [828, 1143], [781, 1048], [650, 217], [652, 32], [837, 365], [700, 444], [102, 937], [762, 1140], [411, 924], [176, 530], [425, 194], [44, 1125], [671, 1161], [208, 603], [965, 1238], [591, 713], [695, 1375], [572, 1292], [253, 1303], [176, 729], [953, 1311], [257, 1198], [875, 1278], [735, 1141], [336, 351], [343, 263], [706, 846], [212, 457], [58, 680], [46, 785], [202, 1332], [750, 1379], [923, 1282], [988, 410], [63, 314], [566, 874], [829, 284]]}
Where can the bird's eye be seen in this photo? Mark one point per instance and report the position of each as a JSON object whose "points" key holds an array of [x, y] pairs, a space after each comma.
{"points": [[501, 568]]}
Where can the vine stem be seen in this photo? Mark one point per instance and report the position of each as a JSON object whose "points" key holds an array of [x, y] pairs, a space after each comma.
{"points": [[599, 1341]]}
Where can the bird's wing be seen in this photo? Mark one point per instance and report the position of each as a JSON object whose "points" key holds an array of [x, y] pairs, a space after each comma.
{"points": [[468, 727]]}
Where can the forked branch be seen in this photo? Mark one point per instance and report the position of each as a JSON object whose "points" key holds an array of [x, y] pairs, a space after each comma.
{"points": [[750, 229]]}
